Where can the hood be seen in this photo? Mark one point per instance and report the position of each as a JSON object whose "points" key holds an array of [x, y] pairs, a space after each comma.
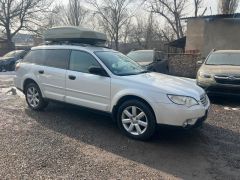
{"points": [[168, 84], [6, 58], [220, 69]]}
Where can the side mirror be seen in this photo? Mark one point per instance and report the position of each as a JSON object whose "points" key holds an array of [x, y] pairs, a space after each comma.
{"points": [[98, 71], [200, 62]]}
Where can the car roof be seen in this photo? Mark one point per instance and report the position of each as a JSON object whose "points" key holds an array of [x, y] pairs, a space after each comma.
{"points": [[87, 48], [226, 51]]}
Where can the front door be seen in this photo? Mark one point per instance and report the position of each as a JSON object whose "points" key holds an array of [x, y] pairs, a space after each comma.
{"points": [[83, 88]]}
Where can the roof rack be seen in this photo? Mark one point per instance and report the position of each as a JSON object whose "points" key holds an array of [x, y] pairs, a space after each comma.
{"points": [[98, 44]]}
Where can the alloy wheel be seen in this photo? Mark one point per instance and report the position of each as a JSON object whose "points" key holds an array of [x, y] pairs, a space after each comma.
{"points": [[134, 120], [33, 97]]}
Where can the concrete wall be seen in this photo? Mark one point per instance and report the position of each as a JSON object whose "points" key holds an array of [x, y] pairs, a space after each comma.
{"points": [[221, 34], [203, 35], [195, 35]]}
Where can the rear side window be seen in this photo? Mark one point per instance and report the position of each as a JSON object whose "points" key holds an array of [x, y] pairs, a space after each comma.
{"points": [[142, 56], [82, 61], [159, 56], [35, 57], [57, 58]]}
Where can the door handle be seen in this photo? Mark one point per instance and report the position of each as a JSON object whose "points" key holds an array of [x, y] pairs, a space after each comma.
{"points": [[41, 71], [71, 77]]}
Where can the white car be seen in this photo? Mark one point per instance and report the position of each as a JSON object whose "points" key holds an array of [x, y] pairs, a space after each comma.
{"points": [[106, 80]]}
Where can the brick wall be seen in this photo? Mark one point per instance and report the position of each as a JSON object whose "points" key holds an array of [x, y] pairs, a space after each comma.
{"points": [[184, 65]]}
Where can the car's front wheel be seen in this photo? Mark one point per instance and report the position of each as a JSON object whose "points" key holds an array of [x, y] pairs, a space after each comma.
{"points": [[136, 119], [34, 97]]}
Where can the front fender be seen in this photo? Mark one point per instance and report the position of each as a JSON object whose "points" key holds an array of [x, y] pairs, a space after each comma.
{"points": [[130, 92]]}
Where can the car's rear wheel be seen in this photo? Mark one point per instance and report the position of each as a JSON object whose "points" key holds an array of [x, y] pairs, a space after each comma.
{"points": [[136, 120], [34, 97]]}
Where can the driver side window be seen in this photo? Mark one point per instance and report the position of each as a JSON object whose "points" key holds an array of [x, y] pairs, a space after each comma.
{"points": [[81, 61]]}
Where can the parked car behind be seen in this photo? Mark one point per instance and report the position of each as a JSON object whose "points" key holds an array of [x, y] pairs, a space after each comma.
{"points": [[150, 59], [8, 61], [220, 73]]}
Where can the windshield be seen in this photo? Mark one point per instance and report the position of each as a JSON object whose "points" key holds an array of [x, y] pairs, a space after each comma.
{"points": [[141, 56], [119, 64], [232, 59], [14, 53]]}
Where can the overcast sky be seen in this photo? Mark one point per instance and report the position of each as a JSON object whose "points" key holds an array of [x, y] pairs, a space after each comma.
{"points": [[210, 4]]}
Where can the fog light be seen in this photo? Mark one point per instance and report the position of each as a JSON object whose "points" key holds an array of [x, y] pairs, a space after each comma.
{"points": [[185, 124], [188, 122]]}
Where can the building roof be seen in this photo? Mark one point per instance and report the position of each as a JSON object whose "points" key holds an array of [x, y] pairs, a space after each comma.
{"points": [[179, 43], [217, 16]]}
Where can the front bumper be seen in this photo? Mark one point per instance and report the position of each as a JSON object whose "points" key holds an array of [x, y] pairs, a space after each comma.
{"points": [[178, 115], [213, 88]]}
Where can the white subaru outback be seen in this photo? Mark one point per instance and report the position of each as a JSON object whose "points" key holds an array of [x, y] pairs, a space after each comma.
{"points": [[106, 80]]}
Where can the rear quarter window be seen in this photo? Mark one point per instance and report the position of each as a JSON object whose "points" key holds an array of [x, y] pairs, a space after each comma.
{"points": [[57, 58], [35, 57], [142, 56]]}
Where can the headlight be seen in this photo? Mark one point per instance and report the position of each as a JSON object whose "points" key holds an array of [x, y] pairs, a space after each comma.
{"points": [[205, 75], [183, 100]]}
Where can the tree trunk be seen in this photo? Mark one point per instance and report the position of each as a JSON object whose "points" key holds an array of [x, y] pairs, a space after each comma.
{"points": [[10, 44], [116, 40]]}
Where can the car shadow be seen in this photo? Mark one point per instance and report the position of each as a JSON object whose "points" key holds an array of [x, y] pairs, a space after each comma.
{"points": [[178, 152], [225, 100]]}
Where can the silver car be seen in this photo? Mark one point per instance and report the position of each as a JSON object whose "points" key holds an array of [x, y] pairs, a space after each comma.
{"points": [[220, 73], [152, 60]]}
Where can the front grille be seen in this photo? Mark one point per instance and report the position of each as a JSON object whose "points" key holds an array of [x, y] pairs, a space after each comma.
{"points": [[204, 99], [228, 79]]}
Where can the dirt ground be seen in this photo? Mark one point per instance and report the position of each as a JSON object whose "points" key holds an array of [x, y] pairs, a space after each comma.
{"points": [[67, 142]]}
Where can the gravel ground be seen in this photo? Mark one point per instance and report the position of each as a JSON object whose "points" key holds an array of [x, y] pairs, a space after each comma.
{"points": [[66, 142]]}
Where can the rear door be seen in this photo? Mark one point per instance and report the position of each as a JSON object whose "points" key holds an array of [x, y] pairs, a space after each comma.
{"points": [[53, 74], [83, 88]]}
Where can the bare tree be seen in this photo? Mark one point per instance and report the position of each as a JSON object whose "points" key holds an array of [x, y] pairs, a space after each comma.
{"points": [[228, 6], [172, 11], [112, 16], [145, 31], [197, 5], [16, 15], [75, 13]]}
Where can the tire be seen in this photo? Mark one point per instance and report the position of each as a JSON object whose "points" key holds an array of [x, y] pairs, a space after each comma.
{"points": [[34, 97], [130, 120]]}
